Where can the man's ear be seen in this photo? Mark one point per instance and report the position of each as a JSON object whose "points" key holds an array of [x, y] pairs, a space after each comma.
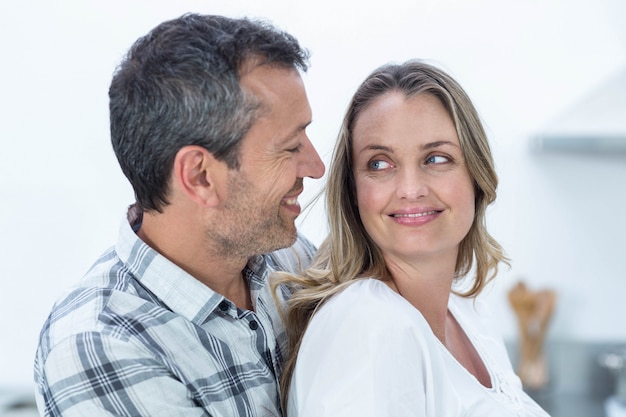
{"points": [[199, 176]]}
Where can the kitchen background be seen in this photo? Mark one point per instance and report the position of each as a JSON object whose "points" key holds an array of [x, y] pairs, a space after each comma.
{"points": [[547, 76]]}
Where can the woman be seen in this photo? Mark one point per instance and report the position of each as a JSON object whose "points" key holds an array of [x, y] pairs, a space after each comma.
{"points": [[393, 327]]}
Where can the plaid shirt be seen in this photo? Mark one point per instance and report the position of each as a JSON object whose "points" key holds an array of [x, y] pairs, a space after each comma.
{"points": [[140, 337]]}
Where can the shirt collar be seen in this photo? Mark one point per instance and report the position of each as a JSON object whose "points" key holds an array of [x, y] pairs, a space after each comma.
{"points": [[174, 287], [178, 290]]}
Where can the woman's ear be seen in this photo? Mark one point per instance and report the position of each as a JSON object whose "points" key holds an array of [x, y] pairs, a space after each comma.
{"points": [[199, 176]]}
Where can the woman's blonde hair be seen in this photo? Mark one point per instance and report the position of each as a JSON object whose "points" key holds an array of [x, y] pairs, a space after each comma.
{"points": [[348, 253]]}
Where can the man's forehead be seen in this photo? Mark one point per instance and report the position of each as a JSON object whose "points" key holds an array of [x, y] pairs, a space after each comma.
{"points": [[275, 88]]}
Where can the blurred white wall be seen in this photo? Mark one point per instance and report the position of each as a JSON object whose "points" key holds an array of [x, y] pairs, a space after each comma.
{"points": [[560, 217]]}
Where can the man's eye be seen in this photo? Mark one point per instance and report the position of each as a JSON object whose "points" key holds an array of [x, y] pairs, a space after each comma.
{"points": [[378, 165], [296, 149]]}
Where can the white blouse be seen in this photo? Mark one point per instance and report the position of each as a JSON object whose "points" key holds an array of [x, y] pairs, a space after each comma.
{"points": [[369, 353]]}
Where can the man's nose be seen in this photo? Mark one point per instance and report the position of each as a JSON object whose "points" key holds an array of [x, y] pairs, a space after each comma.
{"points": [[311, 164]]}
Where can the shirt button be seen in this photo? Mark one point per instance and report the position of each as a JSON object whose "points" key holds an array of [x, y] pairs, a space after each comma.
{"points": [[253, 325], [223, 306]]}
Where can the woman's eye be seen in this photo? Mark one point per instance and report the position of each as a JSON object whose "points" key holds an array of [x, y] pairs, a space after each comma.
{"points": [[378, 165], [437, 159]]}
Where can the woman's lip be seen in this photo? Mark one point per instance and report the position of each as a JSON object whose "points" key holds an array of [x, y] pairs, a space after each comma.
{"points": [[415, 211], [415, 217], [415, 214]]}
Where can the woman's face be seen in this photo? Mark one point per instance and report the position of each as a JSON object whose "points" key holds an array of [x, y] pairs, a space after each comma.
{"points": [[414, 193]]}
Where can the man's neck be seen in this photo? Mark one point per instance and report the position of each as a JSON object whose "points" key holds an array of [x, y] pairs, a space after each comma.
{"points": [[183, 244]]}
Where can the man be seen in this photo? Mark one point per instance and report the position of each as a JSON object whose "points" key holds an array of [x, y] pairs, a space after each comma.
{"points": [[208, 122]]}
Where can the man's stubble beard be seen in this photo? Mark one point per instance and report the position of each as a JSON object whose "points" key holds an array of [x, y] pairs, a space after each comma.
{"points": [[249, 226]]}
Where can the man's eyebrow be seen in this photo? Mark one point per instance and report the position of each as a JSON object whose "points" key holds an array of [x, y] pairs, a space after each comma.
{"points": [[296, 131]]}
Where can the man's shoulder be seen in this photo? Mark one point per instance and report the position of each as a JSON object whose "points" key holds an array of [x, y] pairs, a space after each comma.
{"points": [[81, 307]]}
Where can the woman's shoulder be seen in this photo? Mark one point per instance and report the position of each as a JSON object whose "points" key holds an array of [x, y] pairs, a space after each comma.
{"points": [[472, 312], [362, 294], [367, 287], [367, 329], [369, 302]]}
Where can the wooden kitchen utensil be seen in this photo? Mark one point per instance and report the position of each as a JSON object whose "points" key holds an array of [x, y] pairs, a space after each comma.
{"points": [[533, 310]]}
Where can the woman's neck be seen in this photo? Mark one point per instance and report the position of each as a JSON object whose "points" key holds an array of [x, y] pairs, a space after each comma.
{"points": [[427, 286]]}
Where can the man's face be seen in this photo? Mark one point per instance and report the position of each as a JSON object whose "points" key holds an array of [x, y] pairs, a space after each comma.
{"points": [[262, 195]]}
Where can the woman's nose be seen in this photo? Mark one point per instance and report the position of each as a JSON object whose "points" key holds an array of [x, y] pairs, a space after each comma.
{"points": [[412, 184]]}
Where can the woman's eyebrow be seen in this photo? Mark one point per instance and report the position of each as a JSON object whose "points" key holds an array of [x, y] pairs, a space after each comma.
{"points": [[376, 148], [436, 144]]}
